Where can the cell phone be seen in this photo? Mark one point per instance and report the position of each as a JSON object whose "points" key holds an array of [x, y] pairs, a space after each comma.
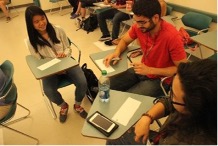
{"points": [[102, 123]]}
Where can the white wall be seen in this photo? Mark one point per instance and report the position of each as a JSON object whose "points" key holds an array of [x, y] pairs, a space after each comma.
{"points": [[21, 2], [203, 5]]}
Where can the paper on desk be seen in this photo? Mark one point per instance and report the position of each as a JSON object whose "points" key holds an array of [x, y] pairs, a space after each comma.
{"points": [[103, 5], [101, 65], [126, 111], [49, 64], [104, 47], [1, 137]]}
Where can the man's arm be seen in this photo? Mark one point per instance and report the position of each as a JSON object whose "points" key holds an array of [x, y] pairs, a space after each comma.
{"points": [[122, 46], [143, 69]]}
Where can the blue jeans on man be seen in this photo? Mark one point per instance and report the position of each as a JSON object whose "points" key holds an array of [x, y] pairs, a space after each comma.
{"points": [[116, 16], [129, 81]]}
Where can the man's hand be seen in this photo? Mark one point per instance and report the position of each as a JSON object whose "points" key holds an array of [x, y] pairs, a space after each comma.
{"points": [[141, 68], [109, 58]]}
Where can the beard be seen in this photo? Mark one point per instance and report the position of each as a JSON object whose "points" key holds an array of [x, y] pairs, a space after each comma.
{"points": [[148, 29]]}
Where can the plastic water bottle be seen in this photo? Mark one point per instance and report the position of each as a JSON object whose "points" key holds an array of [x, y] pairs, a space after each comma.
{"points": [[104, 87]]}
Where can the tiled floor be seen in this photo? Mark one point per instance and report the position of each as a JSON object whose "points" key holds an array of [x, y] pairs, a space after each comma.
{"points": [[40, 124]]}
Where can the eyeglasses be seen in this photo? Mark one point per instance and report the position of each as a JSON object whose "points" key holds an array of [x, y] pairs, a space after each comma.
{"points": [[142, 22], [171, 98]]}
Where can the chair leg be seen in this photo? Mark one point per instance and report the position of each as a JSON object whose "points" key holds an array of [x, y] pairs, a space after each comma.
{"points": [[20, 118], [50, 107], [48, 102], [35, 139]]}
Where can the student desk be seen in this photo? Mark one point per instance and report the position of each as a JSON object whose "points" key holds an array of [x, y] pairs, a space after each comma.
{"points": [[208, 40], [117, 98], [122, 64], [64, 64]]}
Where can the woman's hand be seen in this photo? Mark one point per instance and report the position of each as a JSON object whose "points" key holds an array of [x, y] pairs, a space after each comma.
{"points": [[142, 129]]}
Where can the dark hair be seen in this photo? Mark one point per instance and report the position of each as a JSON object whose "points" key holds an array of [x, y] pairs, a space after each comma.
{"points": [[147, 8], [34, 37], [199, 83]]}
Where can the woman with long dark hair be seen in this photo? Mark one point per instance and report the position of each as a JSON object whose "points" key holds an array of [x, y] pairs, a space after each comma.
{"points": [[191, 109], [49, 41]]}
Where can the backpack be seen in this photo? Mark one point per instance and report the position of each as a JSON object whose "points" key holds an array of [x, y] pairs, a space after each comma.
{"points": [[187, 40], [185, 36], [89, 24], [92, 82]]}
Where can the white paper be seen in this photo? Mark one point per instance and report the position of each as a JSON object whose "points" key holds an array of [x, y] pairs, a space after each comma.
{"points": [[101, 65], [103, 5], [49, 64], [104, 47], [1, 137], [126, 111]]}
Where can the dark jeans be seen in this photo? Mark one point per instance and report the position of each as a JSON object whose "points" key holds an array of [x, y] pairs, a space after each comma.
{"points": [[116, 16], [85, 3], [129, 81], [50, 85], [74, 4]]}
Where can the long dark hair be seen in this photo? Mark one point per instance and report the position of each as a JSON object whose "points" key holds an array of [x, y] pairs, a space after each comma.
{"points": [[199, 83], [34, 36]]}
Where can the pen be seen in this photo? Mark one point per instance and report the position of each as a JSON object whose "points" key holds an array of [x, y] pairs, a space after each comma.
{"points": [[116, 59]]}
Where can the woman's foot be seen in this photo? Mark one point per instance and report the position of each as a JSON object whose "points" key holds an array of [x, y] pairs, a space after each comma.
{"points": [[63, 113], [80, 110]]}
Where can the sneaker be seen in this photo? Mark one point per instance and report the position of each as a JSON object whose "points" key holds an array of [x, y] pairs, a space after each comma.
{"points": [[63, 113], [74, 16], [80, 110], [105, 37], [109, 43]]}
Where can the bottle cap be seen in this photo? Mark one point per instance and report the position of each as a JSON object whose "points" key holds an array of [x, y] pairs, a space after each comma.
{"points": [[104, 72]]}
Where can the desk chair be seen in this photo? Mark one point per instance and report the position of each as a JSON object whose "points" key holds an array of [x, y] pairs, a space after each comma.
{"points": [[60, 3], [169, 10], [10, 97], [196, 23], [64, 82]]}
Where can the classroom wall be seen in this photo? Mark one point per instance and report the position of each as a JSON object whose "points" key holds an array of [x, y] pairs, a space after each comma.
{"points": [[209, 6], [21, 2]]}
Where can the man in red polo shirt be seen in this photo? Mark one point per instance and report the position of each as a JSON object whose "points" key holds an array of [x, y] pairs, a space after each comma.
{"points": [[162, 49]]}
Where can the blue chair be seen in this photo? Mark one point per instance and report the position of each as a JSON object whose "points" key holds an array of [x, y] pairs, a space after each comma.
{"points": [[196, 23], [10, 98]]}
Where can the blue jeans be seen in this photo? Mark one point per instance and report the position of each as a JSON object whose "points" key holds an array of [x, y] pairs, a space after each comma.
{"points": [[50, 85], [129, 81], [116, 16]]}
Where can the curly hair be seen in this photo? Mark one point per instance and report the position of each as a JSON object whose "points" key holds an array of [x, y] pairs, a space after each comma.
{"points": [[147, 8]]}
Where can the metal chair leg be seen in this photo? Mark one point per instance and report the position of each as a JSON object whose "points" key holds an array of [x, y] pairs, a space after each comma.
{"points": [[48, 102], [20, 118], [35, 139]]}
